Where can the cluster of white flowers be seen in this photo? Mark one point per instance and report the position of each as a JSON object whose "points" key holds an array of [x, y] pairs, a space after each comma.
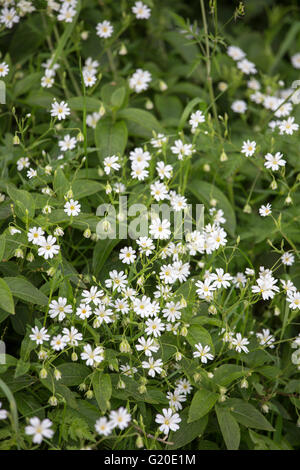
{"points": [[64, 9], [47, 244], [140, 80], [12, 11], [117, 419]]}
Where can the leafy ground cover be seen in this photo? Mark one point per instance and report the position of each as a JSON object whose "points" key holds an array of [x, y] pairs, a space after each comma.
{"points": [[120, 122]]}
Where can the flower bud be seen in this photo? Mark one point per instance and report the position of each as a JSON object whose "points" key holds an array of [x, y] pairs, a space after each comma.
{"points": [[139, 442], [74, 357], [87, 233], [57, 374], [53, 401], [89, 394], [43, 373], [125, 346]]}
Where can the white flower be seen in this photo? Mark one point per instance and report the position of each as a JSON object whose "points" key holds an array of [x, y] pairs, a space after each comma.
{"points": [[287, 259], [240, 343], [154, 327], [175, 399], [47, 80], [4, 69], [295, 59], [264, 211], [235, 53], [163, 170], [158, 141], [274, 161], [84, 311], [72, 207], [288, 126], [47, 247], [146, 245], [117, 280], [246, 66], [59, 308], [3, 413], [66, 13], [182, 150], [39, 429], [220, 278], [110, 163], [22, 163], [168, 421], [266, 287], [127, 255], [39, 336], [9, 16], [203, 353], [92, 357], [172, 311], [92, 295], [92, 119], [196, 119], [177, 201], [293, 298], [60, 110], [68, 143], [155, 367], [239, 106], [120, 418], [89, 79], [71, 336], [159, 191], [148, 346], [140, 80], [31, 173], [160, 229], [104, 29], [265, 339], [205, 289], [142, 307], [184, 386], [58, 343], [103, 426], [35, 235], [141, 11], [248, 148], [139, 172]]}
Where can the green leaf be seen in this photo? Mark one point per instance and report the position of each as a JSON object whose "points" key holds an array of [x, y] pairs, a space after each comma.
{"points": [[187, 431], [73, 374], [83, 188], [229, 428], [205, 192], [247, 414], [23, 289], [6, 298], [202, 402], [198, 334], [24, 203], [118, 96], [227, 373], [77, 103], [110, 138], [102, 250], [2, 246], [102, 389], [140, 122], [60, 183]]}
